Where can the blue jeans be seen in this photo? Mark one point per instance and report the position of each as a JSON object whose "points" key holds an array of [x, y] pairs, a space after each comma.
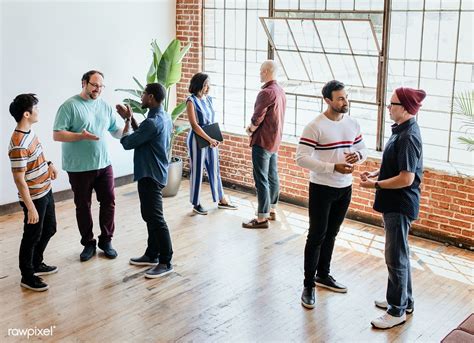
{"points": [[397, 258], [265, 174]]}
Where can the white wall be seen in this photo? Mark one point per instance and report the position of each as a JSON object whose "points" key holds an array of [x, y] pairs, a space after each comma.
{"points": [[45, 48]]}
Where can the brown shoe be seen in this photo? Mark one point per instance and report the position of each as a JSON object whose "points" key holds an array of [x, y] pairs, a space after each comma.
{"points": [[254, 224], [273, 216]]}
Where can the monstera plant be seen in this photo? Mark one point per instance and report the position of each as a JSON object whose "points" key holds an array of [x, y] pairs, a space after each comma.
{"points": [[165, 68]]}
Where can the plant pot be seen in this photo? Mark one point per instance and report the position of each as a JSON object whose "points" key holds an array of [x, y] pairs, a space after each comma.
{"points": [[175, 172]]}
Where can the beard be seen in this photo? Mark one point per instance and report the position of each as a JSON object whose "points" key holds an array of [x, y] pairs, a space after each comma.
{"points": [[343, 109], [93, 95]]}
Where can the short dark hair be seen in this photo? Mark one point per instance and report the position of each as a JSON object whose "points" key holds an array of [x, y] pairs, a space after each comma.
{"points": [[21, 104], [87, 76], [331, 86], [197, 83], [157, 90]]}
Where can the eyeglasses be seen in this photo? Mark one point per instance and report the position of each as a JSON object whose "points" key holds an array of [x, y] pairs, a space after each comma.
{"points": [[394, 103], [95, 85]]}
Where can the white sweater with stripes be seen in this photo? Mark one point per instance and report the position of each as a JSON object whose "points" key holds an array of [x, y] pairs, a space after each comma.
{"points": [[323, 144]]}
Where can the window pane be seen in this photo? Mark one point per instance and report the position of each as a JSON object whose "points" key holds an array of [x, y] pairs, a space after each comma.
{"points": [[407, 5], [318, 67], [340, 5], [305, 35], [442, 4], [437, 80], [235, 29], [373, 5], [366, 115], [361, 37], [332, 36], [465, 49], [312, 4], [368, 69], [405, 35], [280, 34], [345, 69], [292, 65], [438, 33]]}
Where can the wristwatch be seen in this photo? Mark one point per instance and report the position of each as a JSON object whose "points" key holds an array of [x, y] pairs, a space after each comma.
{"points": [[377, 186]]}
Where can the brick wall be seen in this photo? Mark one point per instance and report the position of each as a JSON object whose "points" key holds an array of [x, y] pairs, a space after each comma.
{"points": [[447, 206], [188, 30]]}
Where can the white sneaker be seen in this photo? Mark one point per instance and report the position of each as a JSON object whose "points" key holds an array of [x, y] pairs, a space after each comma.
{"points": [[388, 321], [384, 305]]}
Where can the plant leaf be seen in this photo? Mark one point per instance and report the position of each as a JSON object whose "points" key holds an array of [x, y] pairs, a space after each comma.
{"points": [[182, 53], [180, 129], [178, 110], [138, 83], [133, 92], [136, 106]]}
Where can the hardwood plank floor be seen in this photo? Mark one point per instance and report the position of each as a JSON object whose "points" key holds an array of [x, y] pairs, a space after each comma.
{"points": [[230, 284]]}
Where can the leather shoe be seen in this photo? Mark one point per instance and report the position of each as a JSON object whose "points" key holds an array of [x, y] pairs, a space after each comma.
{"points": [[87, 253], [308, 298], [106, 247]]}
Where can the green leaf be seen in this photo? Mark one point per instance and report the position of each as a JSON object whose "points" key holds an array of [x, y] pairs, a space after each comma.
{"points": [[180, 129], [135, 105], [133, 92], [138, 83], [178, 110], [182, 53], [151, 75]]}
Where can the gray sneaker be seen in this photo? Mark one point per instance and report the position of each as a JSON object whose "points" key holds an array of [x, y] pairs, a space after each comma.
{"points": [[159, 270]]}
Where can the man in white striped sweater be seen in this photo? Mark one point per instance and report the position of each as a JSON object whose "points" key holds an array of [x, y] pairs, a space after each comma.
{"points": [[329, 147]]}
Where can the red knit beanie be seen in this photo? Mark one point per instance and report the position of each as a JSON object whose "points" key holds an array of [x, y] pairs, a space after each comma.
{"points": [[410, 98]]}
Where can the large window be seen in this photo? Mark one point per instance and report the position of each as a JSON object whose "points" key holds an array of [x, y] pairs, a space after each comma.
{"points": [[427, 45]]}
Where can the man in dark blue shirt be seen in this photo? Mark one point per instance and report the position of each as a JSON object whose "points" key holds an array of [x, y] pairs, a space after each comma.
{"points": [[151, 140], [398, 199]]}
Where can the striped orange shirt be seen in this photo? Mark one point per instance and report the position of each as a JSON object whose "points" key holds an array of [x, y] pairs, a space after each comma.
{"points": [[26, 154]]}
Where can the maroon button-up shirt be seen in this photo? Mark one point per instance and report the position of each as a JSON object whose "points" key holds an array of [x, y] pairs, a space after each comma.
{"points": [[269, 116]]}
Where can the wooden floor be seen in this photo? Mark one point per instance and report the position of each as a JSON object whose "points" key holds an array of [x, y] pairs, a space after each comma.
{"points": [[230, 284]]}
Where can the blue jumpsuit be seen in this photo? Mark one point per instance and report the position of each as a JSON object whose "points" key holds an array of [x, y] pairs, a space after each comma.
{"points": [[208, 157]]}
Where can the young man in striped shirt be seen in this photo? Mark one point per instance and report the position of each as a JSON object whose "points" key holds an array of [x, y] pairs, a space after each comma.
{"points": [[329, 146], [32, 174]]}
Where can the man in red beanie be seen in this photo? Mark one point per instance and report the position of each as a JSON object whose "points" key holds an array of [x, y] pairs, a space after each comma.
{"points": [[397, 197]]}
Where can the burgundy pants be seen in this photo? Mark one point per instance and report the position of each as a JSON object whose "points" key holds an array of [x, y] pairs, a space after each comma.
{"points": [[82, 184]]}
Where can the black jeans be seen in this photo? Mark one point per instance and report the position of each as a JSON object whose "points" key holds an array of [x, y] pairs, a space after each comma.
{"points": [[327, 209], [36, 236], [151, 205]]}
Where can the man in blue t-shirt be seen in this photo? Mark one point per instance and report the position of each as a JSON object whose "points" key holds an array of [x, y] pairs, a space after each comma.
{"points": [[398, 199], [151, 141], [81, 124]]}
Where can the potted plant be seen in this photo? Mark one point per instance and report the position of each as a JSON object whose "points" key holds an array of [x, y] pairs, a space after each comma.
{"points": [[165, 68]]}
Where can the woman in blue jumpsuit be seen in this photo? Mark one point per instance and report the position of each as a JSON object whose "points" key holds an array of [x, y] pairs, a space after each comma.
{"points": [[201, 113]]}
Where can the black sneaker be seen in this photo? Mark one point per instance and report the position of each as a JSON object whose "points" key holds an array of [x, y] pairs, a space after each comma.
{"points": [[34, 283], [144, 261], [199, 210], [44, 269], [87, 253], [106, 247], [308, 298], [159, 270], [330, 283]]}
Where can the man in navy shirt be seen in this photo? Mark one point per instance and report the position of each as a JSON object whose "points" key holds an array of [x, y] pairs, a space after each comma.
{"points": [[398, 199], [151, 141]]}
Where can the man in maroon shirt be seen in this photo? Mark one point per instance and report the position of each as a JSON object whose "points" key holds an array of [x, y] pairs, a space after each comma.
{"points": [[265, 131]]}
